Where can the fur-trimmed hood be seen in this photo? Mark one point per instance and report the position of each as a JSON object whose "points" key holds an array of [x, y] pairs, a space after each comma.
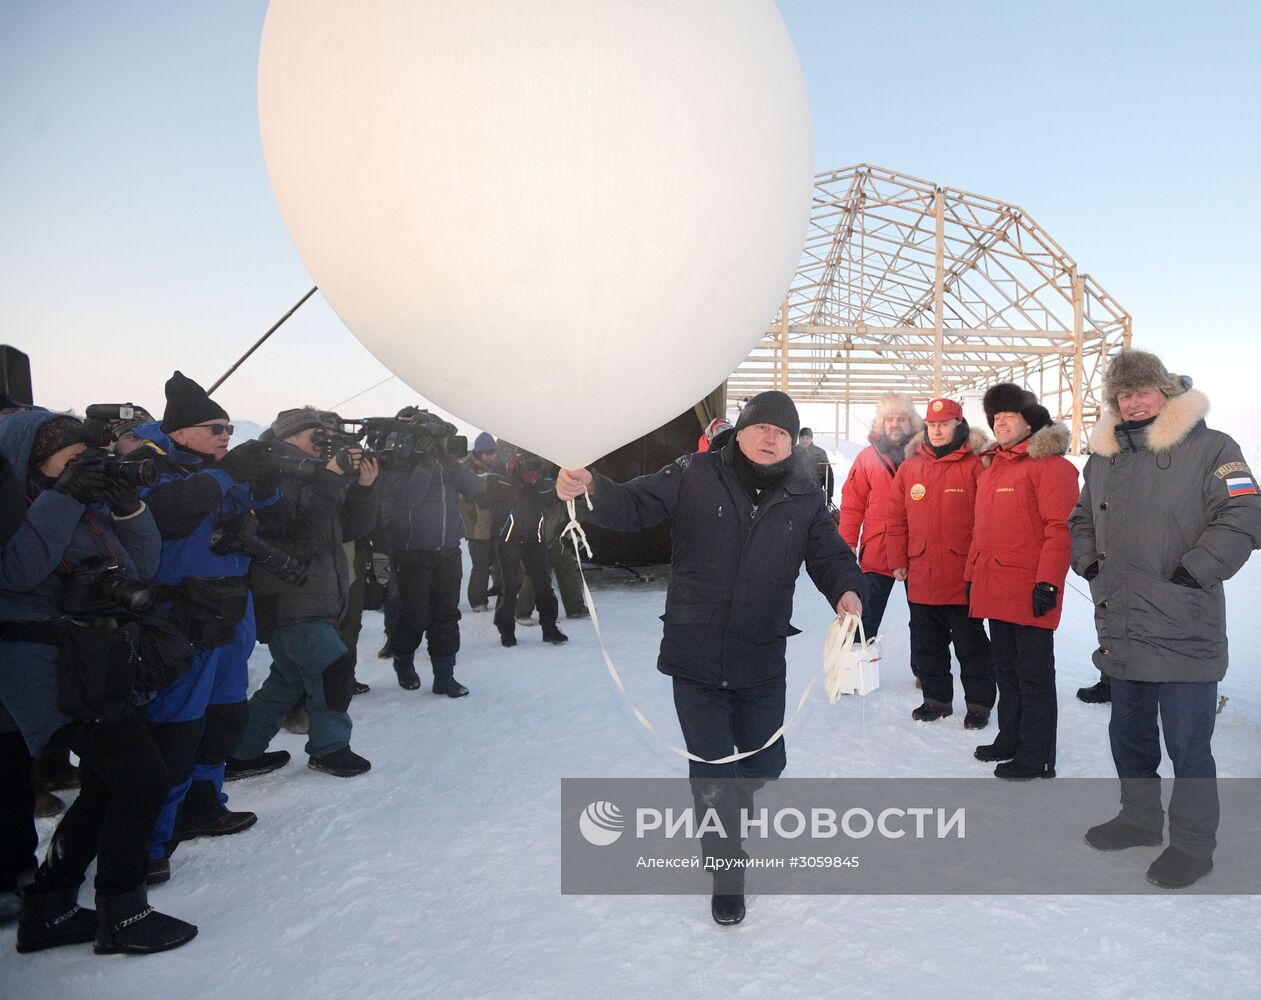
{"points": [[1046, 443], [1168, 430], [978, 442]]}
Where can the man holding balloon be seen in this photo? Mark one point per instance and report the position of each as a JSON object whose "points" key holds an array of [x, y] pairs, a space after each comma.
{"points": [[744, 517]]}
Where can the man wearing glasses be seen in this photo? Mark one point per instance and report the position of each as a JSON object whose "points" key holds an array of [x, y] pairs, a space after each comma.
{"points": [[198, 719]]}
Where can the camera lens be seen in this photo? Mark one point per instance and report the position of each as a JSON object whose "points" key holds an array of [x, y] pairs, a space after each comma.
{"points": [[132, 471]]}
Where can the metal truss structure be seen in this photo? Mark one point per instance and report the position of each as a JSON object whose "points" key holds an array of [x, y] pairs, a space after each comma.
{"points": [[908, 286]]}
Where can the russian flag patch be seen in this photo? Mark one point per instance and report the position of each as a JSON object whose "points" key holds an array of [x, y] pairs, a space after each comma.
{"points": [[1238, 486]]}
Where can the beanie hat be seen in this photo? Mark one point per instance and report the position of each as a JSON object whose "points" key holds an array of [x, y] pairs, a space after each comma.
{"points": [[805, 432], [1131, 371], [187, 404], [139, 416], [290, 422], [771, 407], [1006, 397], [485, 442], [893, 403], [52, 436], [942, 409]]}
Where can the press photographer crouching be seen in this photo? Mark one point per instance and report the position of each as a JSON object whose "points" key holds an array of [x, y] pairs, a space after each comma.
{"points": [[326, 499], [197, 721], [74, 653]]}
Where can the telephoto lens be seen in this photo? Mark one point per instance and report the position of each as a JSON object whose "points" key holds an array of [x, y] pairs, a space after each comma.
{"points": [[132, 471]]}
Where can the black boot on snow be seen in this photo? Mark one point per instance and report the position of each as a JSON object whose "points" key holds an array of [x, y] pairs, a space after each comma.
{"points": [[992, 752], [726, 905], [1117, 835], [271, 760], [507, 640], [127, 924], [52, 918], [444, 681], [408, 679], [1176, 869], [343, 763], [931, 713], [977, 718], [1015, 771], [1096, 694], [554, 635]]}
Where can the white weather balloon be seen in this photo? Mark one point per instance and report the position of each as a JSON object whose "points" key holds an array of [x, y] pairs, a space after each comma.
{"points": [[565, 221]]}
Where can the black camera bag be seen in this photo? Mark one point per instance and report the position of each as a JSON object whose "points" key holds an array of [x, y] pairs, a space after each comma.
{"points": [[165, 654], [97, 669], [207, 611]]}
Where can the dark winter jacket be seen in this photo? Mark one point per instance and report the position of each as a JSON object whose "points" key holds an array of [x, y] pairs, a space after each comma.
{"points": [[931, 509], [1171, 494], [58, 529], [519, 509], [311, 521], [816, 464], [864, 503], [479, 525], [1020, 535], [420, 504], [191, 496], [734, 566]]}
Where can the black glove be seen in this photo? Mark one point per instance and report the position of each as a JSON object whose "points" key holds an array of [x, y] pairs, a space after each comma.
{"points": [[1044, 596], [1091, 571], [248, 462], [121, 497], [1184, 579], [84, 476]]}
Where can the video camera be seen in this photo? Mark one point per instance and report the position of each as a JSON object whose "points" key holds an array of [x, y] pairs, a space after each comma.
{"points": [[412, 436], [239, 533]]}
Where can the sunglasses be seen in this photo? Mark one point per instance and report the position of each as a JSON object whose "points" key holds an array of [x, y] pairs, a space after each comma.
{"points": [[217, 429]]}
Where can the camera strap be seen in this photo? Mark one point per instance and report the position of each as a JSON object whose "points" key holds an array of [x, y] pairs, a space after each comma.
{"points": [[99, 532]]}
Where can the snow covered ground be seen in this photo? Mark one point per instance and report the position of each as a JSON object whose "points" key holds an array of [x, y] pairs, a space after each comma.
{"points": [[437, 874]]}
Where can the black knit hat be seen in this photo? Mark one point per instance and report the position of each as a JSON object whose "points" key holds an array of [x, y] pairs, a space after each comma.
{"points": [[52, 436], [187, 404], [1007, 397], [772, 407]]}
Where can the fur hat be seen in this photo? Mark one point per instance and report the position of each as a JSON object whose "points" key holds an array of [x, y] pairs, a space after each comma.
{"points": [[771, 407], [187, 404], [893, 403], [52, 436], [1007, 397], [1131, 371]]}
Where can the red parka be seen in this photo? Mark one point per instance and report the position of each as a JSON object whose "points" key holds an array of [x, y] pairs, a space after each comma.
{"points": [[931, 508], [864, 508], [1020, 536]]}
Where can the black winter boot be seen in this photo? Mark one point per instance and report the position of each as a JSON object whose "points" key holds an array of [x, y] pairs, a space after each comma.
{"points": [[1176, 869], [343, 763], [53, 917], [1015, 771], [554, 635], [444, 681], [266, 762], [1096, 694], [405, 668], [1117, 835], [977, 718], [992, 752], [931, 713], [128, 924], [727, 903]]}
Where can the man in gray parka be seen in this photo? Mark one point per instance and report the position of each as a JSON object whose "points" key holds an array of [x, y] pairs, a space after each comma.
{"points": [[1169, 511]]}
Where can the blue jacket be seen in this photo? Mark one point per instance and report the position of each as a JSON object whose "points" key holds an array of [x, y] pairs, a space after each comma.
{"points": [[187, 502], [57, 529], [421, 505], [733, 567]]}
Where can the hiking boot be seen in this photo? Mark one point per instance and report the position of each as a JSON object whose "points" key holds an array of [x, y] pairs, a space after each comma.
{"points": [[361, 688], [224, 824], [51, 918], [992, 752], [343, 763], [1015, 771], [237, 768], [977, 718], [554, 635], [158, 871], [1096, 694], [127, 924], [931, 713], [1176, 869], [450, 687], [1117, 835], [727, 906]]}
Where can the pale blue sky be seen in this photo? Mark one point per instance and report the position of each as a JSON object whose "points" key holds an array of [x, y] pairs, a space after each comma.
{"points": [[140, 234]]}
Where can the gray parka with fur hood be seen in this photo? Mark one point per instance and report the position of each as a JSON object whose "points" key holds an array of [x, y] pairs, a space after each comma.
{"points": [[1169, 494]]}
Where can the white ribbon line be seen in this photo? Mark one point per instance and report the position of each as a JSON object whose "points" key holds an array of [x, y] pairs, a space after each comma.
{"points": [[578, 536]]}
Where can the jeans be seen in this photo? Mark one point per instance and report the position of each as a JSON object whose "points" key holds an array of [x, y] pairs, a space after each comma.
{"points": [[1188, 712], [306, 657]]}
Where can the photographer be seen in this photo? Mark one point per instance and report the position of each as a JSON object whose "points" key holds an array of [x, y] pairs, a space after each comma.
{"points": [[68, 573], [198, 720], [421, 504], [317, 511]]}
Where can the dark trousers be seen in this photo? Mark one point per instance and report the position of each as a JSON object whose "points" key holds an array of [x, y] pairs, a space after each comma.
{"points": [[1187, 714], [360, 559], [1024, 663], [716, 722], [123, 782], [18, 836], [879, 587], [935, 627], [429, 602], [482, 553], [510, 557]]}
